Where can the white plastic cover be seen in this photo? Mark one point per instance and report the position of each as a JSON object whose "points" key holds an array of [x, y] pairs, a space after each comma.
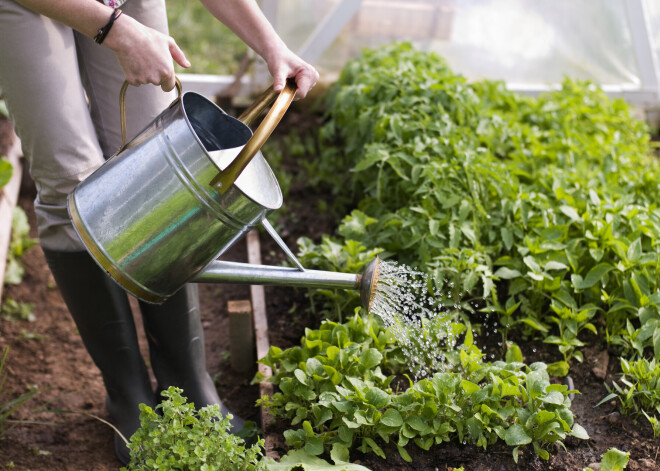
{"points": [[519, 41]]}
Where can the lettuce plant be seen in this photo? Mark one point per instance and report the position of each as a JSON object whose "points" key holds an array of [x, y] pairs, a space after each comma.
{"points": [[340, 390]]}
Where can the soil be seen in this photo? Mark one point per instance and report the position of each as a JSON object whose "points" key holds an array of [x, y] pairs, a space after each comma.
{"points": [[48, 354]]}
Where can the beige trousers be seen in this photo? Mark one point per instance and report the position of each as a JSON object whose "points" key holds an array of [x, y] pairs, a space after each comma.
{"points": [[62, 93]]}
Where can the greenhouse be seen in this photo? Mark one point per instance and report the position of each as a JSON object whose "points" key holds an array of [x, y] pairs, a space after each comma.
{"points": [[435, 246]]}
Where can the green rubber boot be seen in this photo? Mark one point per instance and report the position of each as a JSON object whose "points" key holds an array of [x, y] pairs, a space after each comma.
{"points": [[103, 316], [176, 344]]}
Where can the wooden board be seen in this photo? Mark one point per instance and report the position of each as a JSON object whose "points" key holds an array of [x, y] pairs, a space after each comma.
{"points": [[258, 295], [8, 200]]}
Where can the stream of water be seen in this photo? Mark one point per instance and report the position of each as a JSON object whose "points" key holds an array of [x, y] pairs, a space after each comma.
{"points": [[406, 300]]}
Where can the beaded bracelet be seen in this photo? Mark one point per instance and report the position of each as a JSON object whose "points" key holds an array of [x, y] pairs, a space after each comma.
{"points": [[103, 32]]}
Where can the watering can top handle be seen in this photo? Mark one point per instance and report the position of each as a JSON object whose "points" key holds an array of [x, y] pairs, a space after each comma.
{"points": [[122, 108], [281, 101]]}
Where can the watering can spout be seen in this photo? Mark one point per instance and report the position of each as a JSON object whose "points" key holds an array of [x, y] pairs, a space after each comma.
{"points": [[368, 283], [251, 274]]}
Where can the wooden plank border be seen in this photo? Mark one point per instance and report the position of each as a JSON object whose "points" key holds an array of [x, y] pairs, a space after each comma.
{"points": [[8, 200], [258, 295]]}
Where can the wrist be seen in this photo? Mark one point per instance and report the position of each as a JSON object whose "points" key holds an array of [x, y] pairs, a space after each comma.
{"points": [[117, 37], [105, 30]]}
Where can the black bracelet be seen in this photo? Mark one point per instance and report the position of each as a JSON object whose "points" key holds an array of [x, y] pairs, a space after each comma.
{"points": [[103, 32]]}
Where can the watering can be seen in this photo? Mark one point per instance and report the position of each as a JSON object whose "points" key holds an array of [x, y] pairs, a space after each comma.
{"points": [[159, 213]]}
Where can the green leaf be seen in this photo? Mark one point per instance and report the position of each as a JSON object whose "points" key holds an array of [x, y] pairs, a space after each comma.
{"points": [[594, 276], [404, 454], [299, 460], [507, 237], [314, 446], [417, 423], [635, 250], [571, 213], [559, 369], [301, 376], [516, 436], [339, 454], [374, 447], [6, 171], [377, 398], [469, 387], [579, 432], [505, 273], [371, 358], [614, 460], [513, 353], [392, 418]]}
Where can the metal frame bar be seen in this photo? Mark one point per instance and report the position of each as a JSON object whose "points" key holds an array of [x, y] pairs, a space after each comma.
{"points": [[640, 32], [328, 30]]}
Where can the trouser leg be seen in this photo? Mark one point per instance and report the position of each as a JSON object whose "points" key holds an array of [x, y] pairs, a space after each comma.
{"points": [[46, 101]]}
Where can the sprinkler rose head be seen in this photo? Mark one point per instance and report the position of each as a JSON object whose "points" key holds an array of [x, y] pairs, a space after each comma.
{"points": [[368, 283]]}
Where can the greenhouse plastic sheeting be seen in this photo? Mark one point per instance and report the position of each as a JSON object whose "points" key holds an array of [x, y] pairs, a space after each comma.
{"points": [[519, 41]]}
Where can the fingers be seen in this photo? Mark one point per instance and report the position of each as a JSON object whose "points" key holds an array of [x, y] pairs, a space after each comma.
{"points": [[178, 55], [305, 82], [168, 83], [305, 77], [279, 80]]}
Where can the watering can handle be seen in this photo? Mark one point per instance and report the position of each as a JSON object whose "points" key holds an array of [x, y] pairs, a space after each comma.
{"points": [[122, 108], [281, 101]]}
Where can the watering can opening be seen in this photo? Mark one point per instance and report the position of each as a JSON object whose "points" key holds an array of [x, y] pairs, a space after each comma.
{"points": [[223, 137]]}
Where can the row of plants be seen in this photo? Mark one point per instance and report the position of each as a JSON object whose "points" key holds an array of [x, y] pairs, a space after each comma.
{"points": [[346, 386], [536, 214]]}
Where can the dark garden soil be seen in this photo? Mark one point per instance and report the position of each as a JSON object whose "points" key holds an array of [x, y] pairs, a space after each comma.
{"points": [[48, 354]]}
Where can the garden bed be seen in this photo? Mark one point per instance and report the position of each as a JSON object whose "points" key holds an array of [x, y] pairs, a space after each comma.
{"points": [[48, 353]]}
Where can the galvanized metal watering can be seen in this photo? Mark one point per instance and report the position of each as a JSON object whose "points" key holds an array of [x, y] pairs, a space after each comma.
{"points": [[160, 212]]}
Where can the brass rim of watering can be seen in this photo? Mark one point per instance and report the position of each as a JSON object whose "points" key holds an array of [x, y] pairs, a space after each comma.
{"points": [[122, 108], [368, 281], [374, 283], [103, 260], [280, 101]]}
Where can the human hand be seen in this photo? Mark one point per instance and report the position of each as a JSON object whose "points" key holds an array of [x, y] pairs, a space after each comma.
{"points": [[145, 55], [284, 64]]}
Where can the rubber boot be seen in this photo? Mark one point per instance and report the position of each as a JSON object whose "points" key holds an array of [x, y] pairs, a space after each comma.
{"points": [[177, 350], [103, 316]]}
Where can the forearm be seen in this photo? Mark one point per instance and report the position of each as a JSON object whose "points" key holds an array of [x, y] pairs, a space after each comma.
{"points": [[84, 16], [246, 20]]}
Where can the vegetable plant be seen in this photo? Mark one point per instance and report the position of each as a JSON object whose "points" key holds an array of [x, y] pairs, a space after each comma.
{"points": [[20, 242], [343, 388], [613, 460], [178, 437], [639, 391], [539, 211]]}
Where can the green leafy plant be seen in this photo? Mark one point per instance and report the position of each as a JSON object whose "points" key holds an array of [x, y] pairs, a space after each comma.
{"points": [[20, 242], [613, 460], [639, 392], [182, 438], [542, 212], [345, 387], [17, 311]]}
